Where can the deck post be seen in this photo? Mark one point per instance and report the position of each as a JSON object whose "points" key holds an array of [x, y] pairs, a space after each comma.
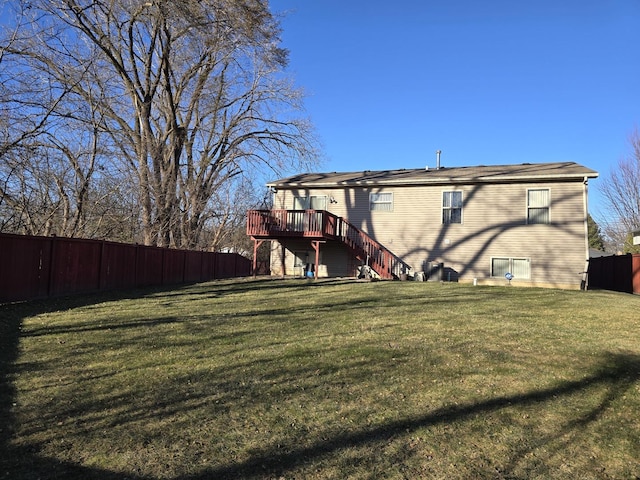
{"points": [[316, 246], [256, 245], [283, 253]]}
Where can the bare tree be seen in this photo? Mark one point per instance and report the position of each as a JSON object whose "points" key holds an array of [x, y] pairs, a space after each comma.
{"points": [[225, 228], [188, 94], [26, 109], [621, 190], [25, 105], [50, 157]]}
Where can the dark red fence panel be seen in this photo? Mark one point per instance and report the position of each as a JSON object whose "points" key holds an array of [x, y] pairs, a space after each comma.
{"points": [[209, 266], [36, 267], [194, 266], [620, 273], [25, 263], [148, 266], [75, 266], [229, 265], [225, 266], [117, 270], [173, 264]]}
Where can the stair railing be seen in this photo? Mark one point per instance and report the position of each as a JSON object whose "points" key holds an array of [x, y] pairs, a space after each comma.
{"points": [[320, 223]]}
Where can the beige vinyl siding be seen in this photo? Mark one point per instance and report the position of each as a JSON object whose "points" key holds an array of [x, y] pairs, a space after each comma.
{"points": [[334, 259], [494, 225]]}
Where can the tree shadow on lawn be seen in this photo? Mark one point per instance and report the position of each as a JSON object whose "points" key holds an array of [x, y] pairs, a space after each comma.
{"points": [[24, 462], [218, 288], [617, 374]]}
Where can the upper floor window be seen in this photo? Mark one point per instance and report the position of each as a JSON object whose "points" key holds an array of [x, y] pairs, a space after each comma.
{"points": [[312, 202], [451, 207], [538, 205], [381, 202]]}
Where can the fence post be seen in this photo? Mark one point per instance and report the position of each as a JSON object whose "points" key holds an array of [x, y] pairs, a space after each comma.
{"points": [[52, 254], [163, 263], [137, 266], [101, 281], [184, 267], [214, 273]]}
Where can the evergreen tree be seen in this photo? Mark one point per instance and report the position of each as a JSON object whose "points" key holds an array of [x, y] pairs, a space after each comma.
{"points": [[596, 241]]}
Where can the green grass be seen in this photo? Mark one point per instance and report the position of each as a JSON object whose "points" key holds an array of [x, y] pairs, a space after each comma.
{"points": [[295, 379]]}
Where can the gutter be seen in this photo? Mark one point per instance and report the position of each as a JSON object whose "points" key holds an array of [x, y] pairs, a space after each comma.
{"points": [[585, 197]]}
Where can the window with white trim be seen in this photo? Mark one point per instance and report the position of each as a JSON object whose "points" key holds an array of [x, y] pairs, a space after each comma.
{"points": [[304, 222], [451, 207], [381, 202], [518, 267], [312, 202], [538, 206]]}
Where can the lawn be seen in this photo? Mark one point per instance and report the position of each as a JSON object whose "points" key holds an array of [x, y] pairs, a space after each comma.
{"points": [[297, 379]]}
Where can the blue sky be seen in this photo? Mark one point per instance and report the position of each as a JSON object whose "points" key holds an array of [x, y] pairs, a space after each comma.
{"points": [[493, 82]]}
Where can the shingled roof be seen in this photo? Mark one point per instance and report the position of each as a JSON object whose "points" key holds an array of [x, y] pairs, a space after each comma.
{"points": [[524, 172]]}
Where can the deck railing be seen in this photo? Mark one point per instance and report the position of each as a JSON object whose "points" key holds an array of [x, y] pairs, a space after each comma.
{"points": [[323, 224], [292, 223]]}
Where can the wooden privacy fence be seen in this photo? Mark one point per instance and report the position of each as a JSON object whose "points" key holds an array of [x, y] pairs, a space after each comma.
{"points": [[620, 273], [37, 267]]}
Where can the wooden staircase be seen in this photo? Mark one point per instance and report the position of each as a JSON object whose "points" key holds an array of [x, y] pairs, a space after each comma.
{"points": [[323, 225]]}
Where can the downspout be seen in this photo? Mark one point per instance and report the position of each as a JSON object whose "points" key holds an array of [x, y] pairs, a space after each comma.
{"points": [[583, 283]]}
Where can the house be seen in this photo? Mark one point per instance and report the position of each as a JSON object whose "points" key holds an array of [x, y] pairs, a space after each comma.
{"points": [[467, 224]]}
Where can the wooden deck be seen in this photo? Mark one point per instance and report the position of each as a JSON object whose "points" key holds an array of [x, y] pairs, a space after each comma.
{"points": [[320, 225], [275, 224]]}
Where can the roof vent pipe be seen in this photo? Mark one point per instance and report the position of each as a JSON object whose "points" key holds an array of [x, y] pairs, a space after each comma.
{"points": [[438, 152]]}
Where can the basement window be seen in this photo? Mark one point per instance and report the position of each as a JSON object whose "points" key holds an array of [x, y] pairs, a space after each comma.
{"points": [[518, 267]]}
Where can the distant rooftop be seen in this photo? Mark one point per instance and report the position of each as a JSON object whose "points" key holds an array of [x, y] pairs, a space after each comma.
{"points": [[524, 172]]}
